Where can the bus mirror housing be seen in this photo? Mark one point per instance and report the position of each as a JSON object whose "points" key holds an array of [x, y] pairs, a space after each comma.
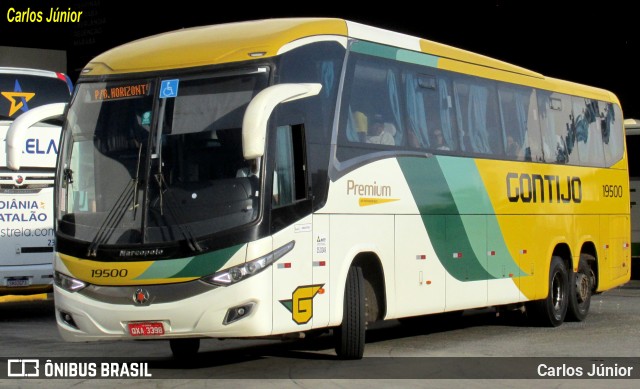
{"points": [[256, 117], [17, 131]]}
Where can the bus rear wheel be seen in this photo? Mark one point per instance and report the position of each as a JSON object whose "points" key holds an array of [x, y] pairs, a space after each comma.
{"points": [[184, 348], [552, 310], [580, 291], [349, 337]]}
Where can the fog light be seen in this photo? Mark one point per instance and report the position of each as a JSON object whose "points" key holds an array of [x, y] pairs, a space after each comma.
{"points": [[68, 319], [236, 313]]}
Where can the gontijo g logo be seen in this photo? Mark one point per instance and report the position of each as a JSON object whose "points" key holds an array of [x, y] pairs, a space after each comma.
{"points": [[301, 303]]}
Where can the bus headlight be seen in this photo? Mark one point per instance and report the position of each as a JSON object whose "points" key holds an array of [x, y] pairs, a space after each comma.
{"points": [[67, 283], [239, 273]]}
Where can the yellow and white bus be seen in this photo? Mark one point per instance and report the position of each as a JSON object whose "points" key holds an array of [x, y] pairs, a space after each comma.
{"points": [[281, 176]]}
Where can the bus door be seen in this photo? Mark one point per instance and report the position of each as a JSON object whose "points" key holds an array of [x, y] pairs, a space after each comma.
{"points": [[294, 291]]}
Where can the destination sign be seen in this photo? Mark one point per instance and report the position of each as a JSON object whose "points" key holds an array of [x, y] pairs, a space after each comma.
{"points": [[120, 92]]}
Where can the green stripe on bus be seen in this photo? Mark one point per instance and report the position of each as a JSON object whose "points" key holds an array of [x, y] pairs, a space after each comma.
{"points": [[471, 198], [417, 58], [197, 266], [208, 263], [463, 229], [374, 49], [393, 53], [428, 186], [450, 242], [441, 219], [164, 268], [465, 185]]}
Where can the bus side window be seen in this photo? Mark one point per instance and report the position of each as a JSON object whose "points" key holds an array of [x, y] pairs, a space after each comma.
{"points": [[430, 114], [558, 133], [290, 171], [610, 123], [588, 132], [520, 124]]}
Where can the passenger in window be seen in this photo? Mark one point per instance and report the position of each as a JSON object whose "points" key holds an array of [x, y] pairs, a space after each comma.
{"points": [[377, 133], [248, 171], [360, 120], [251, 171], [439, 140], [412, 140], [512, 146]]}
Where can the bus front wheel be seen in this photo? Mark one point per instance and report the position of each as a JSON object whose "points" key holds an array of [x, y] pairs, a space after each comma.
{"points": [[552, 310], [349, 337]]}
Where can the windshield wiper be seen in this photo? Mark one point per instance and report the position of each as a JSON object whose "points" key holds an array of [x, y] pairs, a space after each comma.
{"points": [[117, 212], [114, 217], [136, 180]]}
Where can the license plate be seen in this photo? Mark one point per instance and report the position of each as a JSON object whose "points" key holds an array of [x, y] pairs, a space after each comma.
{"points": [[146, 329], [17, 282]]}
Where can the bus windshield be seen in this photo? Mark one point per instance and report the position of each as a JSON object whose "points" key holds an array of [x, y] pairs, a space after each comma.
{"points": [[158, 161]]}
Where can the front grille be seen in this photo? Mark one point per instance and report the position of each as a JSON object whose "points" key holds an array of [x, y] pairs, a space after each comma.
{"points": [[25, 183]]}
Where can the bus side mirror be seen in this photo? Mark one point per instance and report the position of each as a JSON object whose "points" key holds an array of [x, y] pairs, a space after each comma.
{"points": [[256, 117], [16, 134]]}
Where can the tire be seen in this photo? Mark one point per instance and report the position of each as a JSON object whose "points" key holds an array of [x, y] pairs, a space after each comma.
{"points": [[349, 337], [581, 287], [184, 348], [551, 311]]}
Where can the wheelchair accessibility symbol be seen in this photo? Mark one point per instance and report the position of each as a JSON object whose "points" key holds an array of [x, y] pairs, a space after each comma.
{"points": [[169, 88]]}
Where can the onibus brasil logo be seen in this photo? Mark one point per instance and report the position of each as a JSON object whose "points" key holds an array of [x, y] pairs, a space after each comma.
{"points": [[301, 303]]}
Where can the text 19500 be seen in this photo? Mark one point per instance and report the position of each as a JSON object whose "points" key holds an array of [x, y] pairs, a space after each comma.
{"points": [[612, 190], [109, 273]]}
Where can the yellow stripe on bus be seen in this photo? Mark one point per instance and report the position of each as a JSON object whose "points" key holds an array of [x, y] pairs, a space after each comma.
{"points": [[114, 273], [366, 201]]}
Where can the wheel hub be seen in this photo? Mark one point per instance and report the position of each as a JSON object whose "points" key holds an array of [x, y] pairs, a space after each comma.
{"points": [[582, 287]]}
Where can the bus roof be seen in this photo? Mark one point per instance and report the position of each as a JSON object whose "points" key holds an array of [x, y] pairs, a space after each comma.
{"points": [[241, 41], [37, 73], [200, 46], [28, 71]]}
